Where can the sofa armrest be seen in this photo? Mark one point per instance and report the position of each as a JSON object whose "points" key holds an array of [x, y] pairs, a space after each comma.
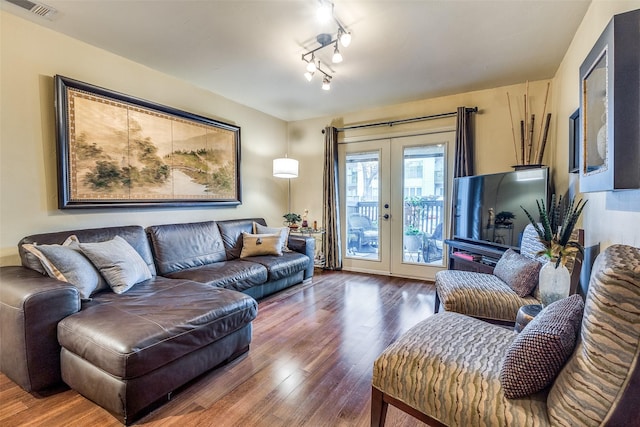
{"points": [[31, 305], [305, 245]]}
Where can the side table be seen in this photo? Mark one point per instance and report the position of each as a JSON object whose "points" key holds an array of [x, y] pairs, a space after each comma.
{"points": [[526, 313], [317, 234]]}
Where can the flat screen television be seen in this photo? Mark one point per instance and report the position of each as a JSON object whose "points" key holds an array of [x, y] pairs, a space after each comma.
{"points": [[487, 208]]}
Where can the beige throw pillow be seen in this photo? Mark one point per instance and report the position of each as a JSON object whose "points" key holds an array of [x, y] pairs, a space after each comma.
{"points": [[284, 233], [260, 244]]}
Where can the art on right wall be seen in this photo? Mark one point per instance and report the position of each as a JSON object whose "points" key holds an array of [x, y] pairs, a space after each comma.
{"points": [[610, 108]]}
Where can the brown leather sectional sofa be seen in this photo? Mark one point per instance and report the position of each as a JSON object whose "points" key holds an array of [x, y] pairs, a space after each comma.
{"points": [[129, 351]]}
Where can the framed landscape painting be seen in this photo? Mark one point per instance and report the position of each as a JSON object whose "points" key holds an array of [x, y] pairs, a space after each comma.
{"points": [[118, 151]]}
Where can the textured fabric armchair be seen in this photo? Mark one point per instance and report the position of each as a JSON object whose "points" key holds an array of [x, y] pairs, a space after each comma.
{"points": [[486, 296], [447, 370]]}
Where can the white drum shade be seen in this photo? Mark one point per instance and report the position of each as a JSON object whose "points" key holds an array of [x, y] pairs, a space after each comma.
{"points": [[285, 168]]}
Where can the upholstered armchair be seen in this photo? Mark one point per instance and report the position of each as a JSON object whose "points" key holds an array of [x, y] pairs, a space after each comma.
{"points": [[574, 364], [487, 296]]}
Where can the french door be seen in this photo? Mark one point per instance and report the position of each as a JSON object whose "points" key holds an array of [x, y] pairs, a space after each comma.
{"points": [[395, 200]]}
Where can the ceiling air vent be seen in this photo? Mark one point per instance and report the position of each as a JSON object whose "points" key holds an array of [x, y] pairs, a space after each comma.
{"points": [[36, 8]]}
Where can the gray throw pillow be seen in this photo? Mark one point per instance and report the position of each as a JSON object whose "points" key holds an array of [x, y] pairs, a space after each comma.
{"points": [[119, 263], [67, 263], [518, 271], [537, 355], [284, 233]]}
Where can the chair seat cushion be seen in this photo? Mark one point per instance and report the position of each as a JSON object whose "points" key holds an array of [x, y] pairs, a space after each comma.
{"points": [[479, 295], [154, 323], [455, 380]]}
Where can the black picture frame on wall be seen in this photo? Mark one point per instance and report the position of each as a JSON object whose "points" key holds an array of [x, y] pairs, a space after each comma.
{"points": [[610, 108], [574, 142], [115, 150]]}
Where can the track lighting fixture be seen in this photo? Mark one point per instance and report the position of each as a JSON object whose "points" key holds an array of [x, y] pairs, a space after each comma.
{"points": [[343, 37]]}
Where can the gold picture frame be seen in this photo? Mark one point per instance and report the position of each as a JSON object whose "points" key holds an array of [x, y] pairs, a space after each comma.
{"points": [[115, 150]]}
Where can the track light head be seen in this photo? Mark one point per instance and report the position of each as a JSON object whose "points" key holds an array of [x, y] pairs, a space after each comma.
{"points": [[311, 65], [337, 56], [345, 38], [326, 83], [308, 75], [325, 10]]}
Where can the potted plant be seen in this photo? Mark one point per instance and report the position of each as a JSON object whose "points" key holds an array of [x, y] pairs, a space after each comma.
{"points": [[292, 219], [413, 235], [555, 231], [505, 218], [413, 238]]}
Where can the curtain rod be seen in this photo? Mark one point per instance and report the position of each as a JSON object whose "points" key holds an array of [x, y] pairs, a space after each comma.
{"points": [[402, 121]]}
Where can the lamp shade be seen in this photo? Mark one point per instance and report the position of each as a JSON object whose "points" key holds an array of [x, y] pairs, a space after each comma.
{"points": [[285, 168]]}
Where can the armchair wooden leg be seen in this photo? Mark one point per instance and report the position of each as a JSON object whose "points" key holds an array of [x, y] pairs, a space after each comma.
{"points": [[378, 408]]}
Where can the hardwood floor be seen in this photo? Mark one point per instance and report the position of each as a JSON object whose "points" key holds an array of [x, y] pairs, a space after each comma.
{"points": [[310, 363]]}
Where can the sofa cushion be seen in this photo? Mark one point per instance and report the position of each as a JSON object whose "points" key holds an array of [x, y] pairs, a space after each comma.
{"points": [[518, 271], [479, 295], [67, 263], [120, 264], [236, 274], [180, 246], [156, 322], [279, 267], [231, 232], [261, 244], [537, 355]]}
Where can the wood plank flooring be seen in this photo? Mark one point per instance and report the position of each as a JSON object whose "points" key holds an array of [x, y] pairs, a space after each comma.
{"points": [[310, 364]]}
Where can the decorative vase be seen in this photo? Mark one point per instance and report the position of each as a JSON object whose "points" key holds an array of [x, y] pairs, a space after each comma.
{"points": [[554, 283]]}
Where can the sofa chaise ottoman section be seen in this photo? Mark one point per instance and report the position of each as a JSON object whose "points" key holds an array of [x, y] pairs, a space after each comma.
{"points": [[134, 346]]}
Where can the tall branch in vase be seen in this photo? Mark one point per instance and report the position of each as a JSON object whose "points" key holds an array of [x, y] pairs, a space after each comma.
{"points": [[530, 150]]}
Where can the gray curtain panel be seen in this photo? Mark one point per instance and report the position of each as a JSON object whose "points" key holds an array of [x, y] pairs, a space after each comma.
{"points": [[332, 247], [464, 144]]}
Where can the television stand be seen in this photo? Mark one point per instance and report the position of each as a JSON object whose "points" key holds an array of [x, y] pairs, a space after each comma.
{"points": [[473, 256]]}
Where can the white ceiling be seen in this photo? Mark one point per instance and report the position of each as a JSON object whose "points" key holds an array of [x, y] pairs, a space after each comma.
{"points": [[250, 51]]}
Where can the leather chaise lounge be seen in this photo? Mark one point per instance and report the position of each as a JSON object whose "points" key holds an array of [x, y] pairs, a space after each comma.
{"points": [[129, 351]]}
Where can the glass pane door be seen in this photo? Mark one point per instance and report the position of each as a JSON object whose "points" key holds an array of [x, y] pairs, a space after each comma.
{"points": [[362, 199], [423, 210]]}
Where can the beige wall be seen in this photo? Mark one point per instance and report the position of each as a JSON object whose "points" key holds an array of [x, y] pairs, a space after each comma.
{"points": [[30, 56], [495, 151], [611, 217]]}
